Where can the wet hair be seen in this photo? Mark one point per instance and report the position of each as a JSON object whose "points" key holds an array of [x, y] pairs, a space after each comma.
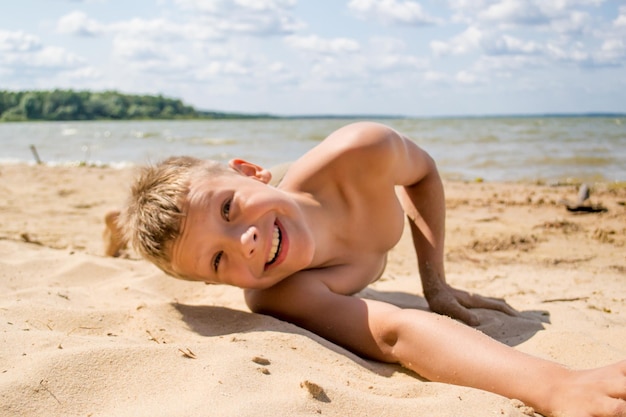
{"points": [[151, 218]]}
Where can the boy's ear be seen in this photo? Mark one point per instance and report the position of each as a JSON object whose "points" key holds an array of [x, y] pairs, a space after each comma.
{"points": [[250, 170]]}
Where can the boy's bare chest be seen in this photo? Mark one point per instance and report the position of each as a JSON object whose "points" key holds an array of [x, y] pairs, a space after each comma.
{"points": [[363, 227], [364, 220]]}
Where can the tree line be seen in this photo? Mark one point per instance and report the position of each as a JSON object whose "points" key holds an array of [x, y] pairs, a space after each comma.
{"points": [[108, 105]]}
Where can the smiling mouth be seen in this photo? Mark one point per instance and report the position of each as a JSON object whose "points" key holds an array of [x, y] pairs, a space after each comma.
{"points": [[276, 243]]}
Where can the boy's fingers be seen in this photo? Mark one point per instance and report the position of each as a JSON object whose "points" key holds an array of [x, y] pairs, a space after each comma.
{"points": [[457, 304], [500, 306], [477, 301], [455, 310], [467, 317]]}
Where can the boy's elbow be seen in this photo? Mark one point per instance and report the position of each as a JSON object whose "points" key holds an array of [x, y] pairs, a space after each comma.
{"points": [[253, 301], [258, 302], [413, 164]]}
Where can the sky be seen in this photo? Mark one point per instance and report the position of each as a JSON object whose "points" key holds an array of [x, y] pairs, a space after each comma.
{"points": [[292, 57]]}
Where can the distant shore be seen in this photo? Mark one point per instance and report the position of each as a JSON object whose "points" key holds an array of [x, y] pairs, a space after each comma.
{"points": [[70, 105], [74, 105]]}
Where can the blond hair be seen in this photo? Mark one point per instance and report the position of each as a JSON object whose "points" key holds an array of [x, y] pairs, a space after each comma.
{"points": [[151, 218]]}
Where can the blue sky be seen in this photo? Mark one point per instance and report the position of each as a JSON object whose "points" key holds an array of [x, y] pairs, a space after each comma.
{"points": [[395, 57]]}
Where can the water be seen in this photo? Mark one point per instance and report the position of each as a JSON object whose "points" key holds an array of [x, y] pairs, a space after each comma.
{"points": [[494, 149]]}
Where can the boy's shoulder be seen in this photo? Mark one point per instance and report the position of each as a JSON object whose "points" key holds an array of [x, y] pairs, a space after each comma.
{"points": [[355, 154], [360, 135], [361, 143]]}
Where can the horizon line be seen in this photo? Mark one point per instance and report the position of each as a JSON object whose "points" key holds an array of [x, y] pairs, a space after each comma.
{"points": [[599, 114]]}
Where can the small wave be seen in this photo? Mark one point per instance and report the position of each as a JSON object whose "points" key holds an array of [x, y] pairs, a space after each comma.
{"points": [[488, 139], [213, 141], [576, 160], [14, 161], [91, 163], [145, 135]]}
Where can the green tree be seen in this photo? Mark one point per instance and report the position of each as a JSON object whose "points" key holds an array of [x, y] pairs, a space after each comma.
{"points": [[14, 114], [31, 105], [85, 105]]}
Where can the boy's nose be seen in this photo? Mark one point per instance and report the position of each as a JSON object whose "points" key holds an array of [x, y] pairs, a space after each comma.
{"points": [[249, 240]]}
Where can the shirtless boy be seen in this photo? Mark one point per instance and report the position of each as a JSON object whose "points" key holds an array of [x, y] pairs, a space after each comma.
{"points": [[302, 249]]}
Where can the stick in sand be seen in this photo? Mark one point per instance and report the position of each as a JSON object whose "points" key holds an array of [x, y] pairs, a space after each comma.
{"points": [[35, 154]]}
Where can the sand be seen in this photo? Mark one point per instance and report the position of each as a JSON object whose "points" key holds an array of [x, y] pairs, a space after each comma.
{"points": [[87, 335]]}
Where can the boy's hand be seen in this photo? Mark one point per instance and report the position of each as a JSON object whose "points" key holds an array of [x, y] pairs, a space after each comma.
{"points": [[597, 392], [456, 304]]}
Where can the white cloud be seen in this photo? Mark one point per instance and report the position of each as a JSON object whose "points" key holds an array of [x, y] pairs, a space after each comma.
{"points": [[387, 44], [246, 17], [25, 52], [509, 45], [265, 5], [574, 22], [612, 51], [573, 54], [225, 68], [392, 11], [160, 30], [218, 6], [569, 4], [138, 49], [435, 76], [469, 40], [183, 50], [613, 45], [148, 56], [18, 42], [517, 36], [84, 73], [561, 16], [318, 45], [514, 11], [338, 59], [201, 6], [467, 77], [333, 70], [620, 21], [77, 23], [398, 62], [56, 57], [386, 54], [205, 20]]}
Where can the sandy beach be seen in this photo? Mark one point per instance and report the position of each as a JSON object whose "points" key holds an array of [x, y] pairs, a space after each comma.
{"points": [[87, 335]]}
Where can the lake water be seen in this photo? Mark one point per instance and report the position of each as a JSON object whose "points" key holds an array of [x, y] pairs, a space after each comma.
{"points": [[494, 149]]}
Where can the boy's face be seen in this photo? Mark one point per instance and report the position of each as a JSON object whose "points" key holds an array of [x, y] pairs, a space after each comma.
{"points": [[242, 232]]}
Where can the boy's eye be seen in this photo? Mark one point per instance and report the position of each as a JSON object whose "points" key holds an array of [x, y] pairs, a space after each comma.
{"points": [[226, 209], [216, 260]]}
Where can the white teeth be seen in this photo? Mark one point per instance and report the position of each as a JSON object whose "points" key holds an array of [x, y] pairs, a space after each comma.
{"points": [[275, 245]]}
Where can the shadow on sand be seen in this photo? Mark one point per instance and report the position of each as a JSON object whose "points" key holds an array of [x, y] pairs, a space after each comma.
{"points": [[211, 321]]}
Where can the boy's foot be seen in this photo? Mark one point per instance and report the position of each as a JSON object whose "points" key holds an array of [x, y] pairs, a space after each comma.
{"points": [[113, 237]]}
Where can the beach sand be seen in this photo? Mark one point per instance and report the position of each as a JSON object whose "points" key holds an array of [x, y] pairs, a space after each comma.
{"points": [[87, 335]]}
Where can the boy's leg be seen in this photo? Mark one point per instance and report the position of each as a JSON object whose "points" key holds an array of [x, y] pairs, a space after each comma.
{"points": [[112, 236]]}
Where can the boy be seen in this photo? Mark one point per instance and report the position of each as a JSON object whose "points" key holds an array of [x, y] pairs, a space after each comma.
{"points": [[301, 249]]}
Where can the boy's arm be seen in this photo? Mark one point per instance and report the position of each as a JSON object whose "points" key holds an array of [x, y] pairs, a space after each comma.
{"points": [[438, 348], [423, 201]]}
